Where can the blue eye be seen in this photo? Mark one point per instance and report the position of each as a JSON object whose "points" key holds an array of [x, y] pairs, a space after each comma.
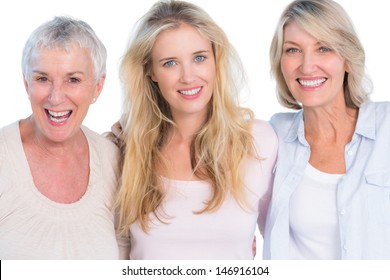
{"points": [[169, 63], [292, 50], [325, 49], [200, 58]]}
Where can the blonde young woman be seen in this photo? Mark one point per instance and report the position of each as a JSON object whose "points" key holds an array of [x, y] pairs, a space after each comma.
{"points": [[197, 170], [331, 197]]}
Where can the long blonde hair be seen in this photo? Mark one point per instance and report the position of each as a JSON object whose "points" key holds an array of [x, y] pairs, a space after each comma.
{"points": [[218, 148]]}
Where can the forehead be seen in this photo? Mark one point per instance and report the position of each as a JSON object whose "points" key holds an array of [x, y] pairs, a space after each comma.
{"points": [[70, 49], [58, 61], [179, 39], [295, 30], [59, 54]]}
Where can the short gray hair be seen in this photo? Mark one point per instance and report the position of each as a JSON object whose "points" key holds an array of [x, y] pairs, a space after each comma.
{"points": [[62, 32]]}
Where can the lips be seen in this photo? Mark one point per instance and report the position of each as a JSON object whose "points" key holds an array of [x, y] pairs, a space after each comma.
{"points": [[311, 83], [58, 117], [190, 92]]}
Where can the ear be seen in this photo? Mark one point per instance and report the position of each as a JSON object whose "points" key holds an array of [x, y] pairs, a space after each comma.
{"points": [[346, 68], [25, 82], [99, 88], [153, 77]]}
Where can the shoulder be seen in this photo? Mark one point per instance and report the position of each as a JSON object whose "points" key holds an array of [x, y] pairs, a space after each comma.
{"points": [[98, 138], [8, 137], [103, 146], [9, 129], [8, 133], [265, 138], [263, 129], [375, 112], [282, 122], [105, 162], [381, 108], [283, 119], [2, 146]]}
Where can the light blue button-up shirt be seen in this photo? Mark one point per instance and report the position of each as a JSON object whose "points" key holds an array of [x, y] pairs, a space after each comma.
{"points": [[363, 194]]}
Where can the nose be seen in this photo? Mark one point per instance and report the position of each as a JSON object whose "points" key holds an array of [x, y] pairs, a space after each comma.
{"points": [[56, 94], [188, 73], [308, 64]]}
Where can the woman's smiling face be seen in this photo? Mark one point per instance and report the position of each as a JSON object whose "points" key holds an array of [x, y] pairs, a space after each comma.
{"points": [[314, 72], [61, 88], [183, 66]]}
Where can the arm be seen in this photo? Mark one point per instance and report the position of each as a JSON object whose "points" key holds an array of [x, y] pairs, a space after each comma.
{"points": [[116, 134], [123, 247], [267, 149]]}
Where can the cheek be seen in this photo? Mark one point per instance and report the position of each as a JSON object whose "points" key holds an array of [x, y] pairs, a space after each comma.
{"points": [[166, 83], [164, 89], [163, 77], [335, 65], [284, 67], [211, 70], [36, 94], [211, 75], [208, 75], [337, 71]]}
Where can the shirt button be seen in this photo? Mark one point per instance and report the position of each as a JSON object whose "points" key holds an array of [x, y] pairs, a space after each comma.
{"points": [[350, 153], [343, 211], [293, 178]]}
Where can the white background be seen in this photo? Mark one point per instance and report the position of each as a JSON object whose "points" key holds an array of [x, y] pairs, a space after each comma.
{"points": [[249, 25]]}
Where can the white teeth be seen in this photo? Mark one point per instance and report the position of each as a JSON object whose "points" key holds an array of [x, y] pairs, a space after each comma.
{"points": [[190, 92], [311, 83], [59, 116]]}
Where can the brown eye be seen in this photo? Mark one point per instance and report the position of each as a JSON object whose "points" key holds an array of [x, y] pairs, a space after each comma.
{"points": [[74, 80], [41, 79]]}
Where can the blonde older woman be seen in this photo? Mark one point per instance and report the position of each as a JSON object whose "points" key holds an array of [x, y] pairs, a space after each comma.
{"points": [[331, 197]]}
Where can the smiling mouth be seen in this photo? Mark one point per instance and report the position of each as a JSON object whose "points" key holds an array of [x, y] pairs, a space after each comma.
{"points": [[190, 92], [311, 83], [58, 117]]}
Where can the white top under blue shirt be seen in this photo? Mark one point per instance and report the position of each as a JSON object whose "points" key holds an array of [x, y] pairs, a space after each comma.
{"points": [[312, 238], [363, 193]]}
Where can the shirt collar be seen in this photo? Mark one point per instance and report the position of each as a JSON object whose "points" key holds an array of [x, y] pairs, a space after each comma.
{"points": [[365, 125], [297, 129], [366, 122]]}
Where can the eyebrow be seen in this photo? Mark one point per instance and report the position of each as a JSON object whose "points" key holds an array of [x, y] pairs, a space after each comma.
{"points": [[76, 72], [290, 42], [297, 44], [201, 51], [46, 74], [165, 59]]}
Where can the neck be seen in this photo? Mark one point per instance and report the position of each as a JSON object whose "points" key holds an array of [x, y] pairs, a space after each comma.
{"points": [[186, 128], [333, 123], [31, 135]]}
